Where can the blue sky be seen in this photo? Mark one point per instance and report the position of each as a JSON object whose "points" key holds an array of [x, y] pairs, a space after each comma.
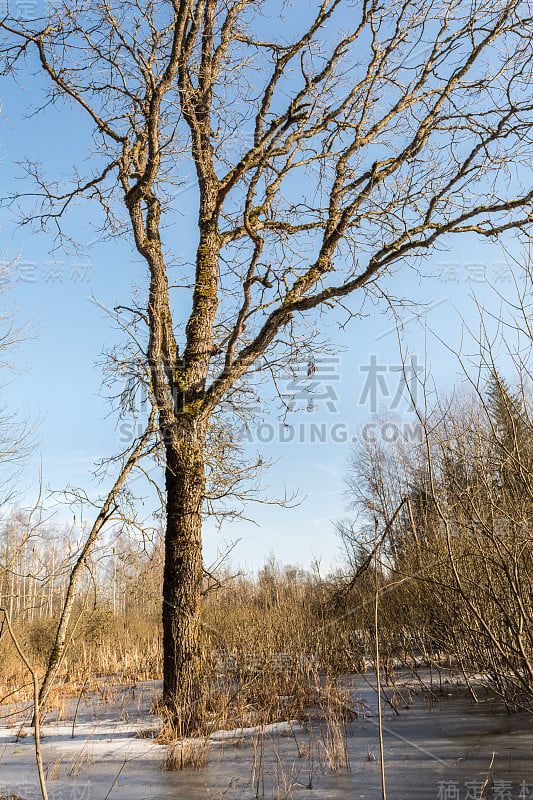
{"points": [[60, 385]]}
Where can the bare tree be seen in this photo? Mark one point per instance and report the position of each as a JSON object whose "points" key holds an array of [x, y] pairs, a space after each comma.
{"points": [[458, 566], [16, 431], [376, 131]]}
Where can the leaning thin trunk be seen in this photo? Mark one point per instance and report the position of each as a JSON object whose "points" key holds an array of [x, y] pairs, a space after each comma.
{"points": [[182, 660], [105, 513]]}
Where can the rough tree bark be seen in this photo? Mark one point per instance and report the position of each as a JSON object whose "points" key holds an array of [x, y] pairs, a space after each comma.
{"points": [[185, 488]]}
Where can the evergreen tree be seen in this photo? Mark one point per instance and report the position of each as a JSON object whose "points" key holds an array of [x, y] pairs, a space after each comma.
{"points": [[511, 450]]}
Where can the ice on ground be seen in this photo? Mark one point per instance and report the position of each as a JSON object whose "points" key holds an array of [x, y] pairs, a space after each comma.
{"points": [[435, 743]]}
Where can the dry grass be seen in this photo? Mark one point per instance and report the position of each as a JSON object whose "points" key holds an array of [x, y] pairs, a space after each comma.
{"points": [[10, 797], [186, 753], [273, 646], [272, 653]]}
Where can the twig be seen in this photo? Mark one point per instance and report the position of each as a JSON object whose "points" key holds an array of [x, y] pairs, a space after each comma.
{"points": [[36, 716]]}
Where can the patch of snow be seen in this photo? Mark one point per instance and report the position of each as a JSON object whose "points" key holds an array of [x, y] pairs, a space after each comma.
{"points": [[274, 728]]}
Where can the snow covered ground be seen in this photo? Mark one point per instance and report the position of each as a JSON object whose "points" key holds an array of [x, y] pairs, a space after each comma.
{"points": [[438, 747]]}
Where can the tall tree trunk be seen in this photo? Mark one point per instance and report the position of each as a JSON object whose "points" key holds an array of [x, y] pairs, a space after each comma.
{"points": [[182, 648]]}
